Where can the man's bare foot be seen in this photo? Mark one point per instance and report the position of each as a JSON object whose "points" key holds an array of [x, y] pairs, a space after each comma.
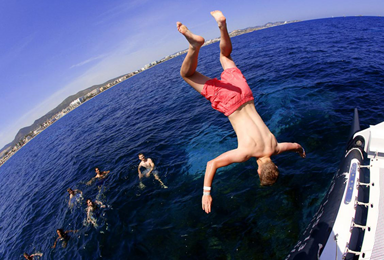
{"points": [[219, 17], [194, 40]]}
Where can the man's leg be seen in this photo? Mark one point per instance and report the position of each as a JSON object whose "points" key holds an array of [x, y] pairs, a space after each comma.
{"points": [[158, 179], [188, 68], [225, 41]]}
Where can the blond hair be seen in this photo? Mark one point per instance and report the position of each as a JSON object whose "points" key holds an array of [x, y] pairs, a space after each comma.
{"points": [[268, 173]]}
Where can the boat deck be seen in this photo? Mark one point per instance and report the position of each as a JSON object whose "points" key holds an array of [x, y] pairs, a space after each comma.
{"points": [[373, 244], [349, 224]]}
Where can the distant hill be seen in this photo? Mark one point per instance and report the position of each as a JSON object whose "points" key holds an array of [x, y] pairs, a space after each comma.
{"points": [[24, 131]]}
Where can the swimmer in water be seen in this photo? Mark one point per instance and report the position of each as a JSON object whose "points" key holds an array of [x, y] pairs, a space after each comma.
{"points": [[30, 257], [63, 236], [92, 208], [99, 175], [232, 96], [148, 164], [72, 194]]}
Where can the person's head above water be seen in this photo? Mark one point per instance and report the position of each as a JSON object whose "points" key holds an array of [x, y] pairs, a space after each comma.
{"points": [[90, 203], [26, 256], [268, 172], [141, 156], [60, 232], [97, 170], [70, 191]]}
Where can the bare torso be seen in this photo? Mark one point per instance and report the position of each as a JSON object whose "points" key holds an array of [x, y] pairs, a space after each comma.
{"points": [[147, 164], [102, 175], [253, 135]]}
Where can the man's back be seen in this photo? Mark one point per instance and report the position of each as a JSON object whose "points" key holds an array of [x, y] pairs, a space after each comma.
{"points": [[252, 133]]}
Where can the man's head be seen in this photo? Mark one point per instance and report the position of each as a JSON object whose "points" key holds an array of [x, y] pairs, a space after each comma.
{"points": [[60, 232], [97, 170], [141, 157], [70, 191], [268, 172]]}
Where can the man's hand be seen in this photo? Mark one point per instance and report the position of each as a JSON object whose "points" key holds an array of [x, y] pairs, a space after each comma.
{"points": [[206, 203], [301, 152]]}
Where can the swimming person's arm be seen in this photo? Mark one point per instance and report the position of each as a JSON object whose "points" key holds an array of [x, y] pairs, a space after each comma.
{"points": [[291, 147], [100, 204], [138, 169], [90, 181], [233, 156], [73, 231], [54, 245]]}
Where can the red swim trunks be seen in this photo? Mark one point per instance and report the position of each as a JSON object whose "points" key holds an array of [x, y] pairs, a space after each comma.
{"points": [[229, 93]]}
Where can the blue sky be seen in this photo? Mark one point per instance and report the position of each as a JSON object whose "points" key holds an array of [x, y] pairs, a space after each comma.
{"points": [[52, 49]]}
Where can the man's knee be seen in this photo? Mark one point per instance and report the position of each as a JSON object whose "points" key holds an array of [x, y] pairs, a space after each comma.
{"points": [[225, 59], [227, 62]]}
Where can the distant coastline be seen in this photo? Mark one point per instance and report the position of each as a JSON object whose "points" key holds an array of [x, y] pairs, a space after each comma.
{"points": [[26, 134]]}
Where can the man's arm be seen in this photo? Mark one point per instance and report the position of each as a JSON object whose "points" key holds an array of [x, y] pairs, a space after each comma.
{"points": [[227, 158], [90, 181], [73, 231], [100, 204], [54, 245], [105, 173], [138, 170], [293, 147]]}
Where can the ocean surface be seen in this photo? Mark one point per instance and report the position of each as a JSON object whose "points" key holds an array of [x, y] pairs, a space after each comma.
{"points": [[306, 77]]}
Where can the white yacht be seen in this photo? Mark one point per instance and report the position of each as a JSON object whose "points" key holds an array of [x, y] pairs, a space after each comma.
{"points": [[350, 221]]}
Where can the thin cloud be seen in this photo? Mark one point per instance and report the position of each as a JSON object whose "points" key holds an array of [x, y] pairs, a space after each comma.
{"points": [[88, 61], [119, 10]]}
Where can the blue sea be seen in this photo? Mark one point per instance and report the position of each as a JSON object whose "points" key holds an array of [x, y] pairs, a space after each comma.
{"points": [[307, 78]]}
